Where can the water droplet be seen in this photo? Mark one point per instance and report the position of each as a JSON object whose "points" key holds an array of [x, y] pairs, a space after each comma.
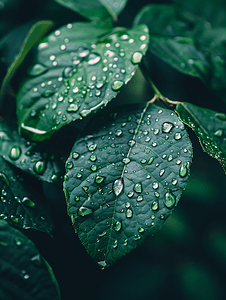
{"points": [[219, 132], [143, 161], [154, 205], [220, 116], [131, 143], [69, 165], [84, 211], [129, 213], [118, 186], [115, 244], [125, 243], [68, 72], [93, 158], [47, 93], [27, 202], [85, 112], [15, 152], [174, 181], [126, 160], [150, 161], [117, 84], [130, 194], [118, 226], [177, 136], [170, 157], [93, 59], [136, 57], [18, 242], [183, 169], [169, 199], [37, 69], [75, 155], [166, 127], [102, 263], [99, 179], [37, 260], [140, 198], [83, 52], [85, 188], [14, 219], [161, 172], [39, 167], [92, 147], [93, 168], [138, 187], [72, 108], [118, 132], [155, 185], [141, 229]]}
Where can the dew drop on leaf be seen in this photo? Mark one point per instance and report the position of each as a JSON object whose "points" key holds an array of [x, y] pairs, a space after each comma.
{"points": [[166, 127], [154, 205], [15, 152], [72, 108], [118, 186], [219, 132], [126, 160], [37, 69], [99, 179], [117, 84], [169, 200], [92, 147], [155, 185], [138, 187], [84, 211], [140, 198], [39, 167], [93, 168], [75, 155], [183, 170], [136, 57], [118, 226], [27, 202], [93, 59], [115, 244], [177, 136], [93, 158], [4, 178], [129, 213]]}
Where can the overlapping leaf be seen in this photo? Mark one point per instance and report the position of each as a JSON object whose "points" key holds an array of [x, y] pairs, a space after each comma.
{"points": [[96, 10], [209, 126], [39, 160], [125, 174], [19, 205], [23, 272], [33, 36], [188, 43], [77, 70]]}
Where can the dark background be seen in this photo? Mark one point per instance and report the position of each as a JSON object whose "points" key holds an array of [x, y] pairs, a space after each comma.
{"points": [[186, 259]]}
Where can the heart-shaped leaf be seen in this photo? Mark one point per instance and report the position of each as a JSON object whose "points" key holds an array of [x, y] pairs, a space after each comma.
{"points": [[35, 159], [24, 273], [209, 126], [35, 33], [96, 10], [75, 71], [18, 204], [125, 174]]}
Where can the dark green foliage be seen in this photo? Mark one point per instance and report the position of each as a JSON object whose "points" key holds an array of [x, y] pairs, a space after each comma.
{"points": [[24, 273]]}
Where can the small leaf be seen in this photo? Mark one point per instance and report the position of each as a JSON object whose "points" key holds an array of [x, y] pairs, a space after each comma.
{"points": [[209, 126], [35, 159], [76, 71], [142, 155], [24, 273], [171, 39], [96, 10], [35, 33], [18, 205]]}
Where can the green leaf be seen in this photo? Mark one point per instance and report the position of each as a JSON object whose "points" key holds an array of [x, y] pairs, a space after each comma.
{"points": [[35, 33], [18, 204], [209, 126], [96, 10], [171, 39], [24, 273], [34, 158], [125, 174], [77, 70]]}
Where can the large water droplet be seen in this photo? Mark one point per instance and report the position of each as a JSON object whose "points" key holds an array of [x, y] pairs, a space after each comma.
{"points": [[39, 167], [37, 69], [75, 155], [72, 108], [126, 160], [131, 143], [177, 136], [155, 185], [184, 169], [117, 84], [92, 147], [93, 158], [169, 199], [93, 168], [68, 72], [83, 52], [27, 202], [166, 127], [138, 187], [115, 244], [136, 57], [84, 211], [99, 179], [154, 205], [118, 186], [118, 226], [15, 152], [93, 59], [129, 213]]}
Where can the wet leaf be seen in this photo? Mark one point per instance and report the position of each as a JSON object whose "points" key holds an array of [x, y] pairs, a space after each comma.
{"points": [[35, 159], [142, 155], [35, 33], [24, 273], [188, 43], [209, 126], [76, 70], [96, 10], [19, 205]]}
